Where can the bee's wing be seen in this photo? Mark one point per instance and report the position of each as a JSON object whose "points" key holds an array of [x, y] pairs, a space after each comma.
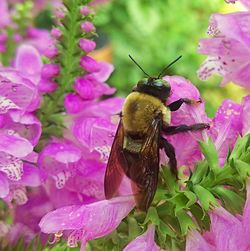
{"points": [[144, 171], [116, 164]]}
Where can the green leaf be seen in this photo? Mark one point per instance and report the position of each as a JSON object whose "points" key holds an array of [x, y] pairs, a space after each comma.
{"points": [[206, 198], [210, 153]]}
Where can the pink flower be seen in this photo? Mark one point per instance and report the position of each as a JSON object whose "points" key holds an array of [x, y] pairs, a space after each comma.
{"points": [[73, 103], [87, 45], [50, 70], [87, 26], [228, 50], [144, 242], [89, 64], [186, 144], [56, 32], [226, 127], [40, 39], [246, 115], [58, 159], [87, 222], [85, 10], [4, 13]]}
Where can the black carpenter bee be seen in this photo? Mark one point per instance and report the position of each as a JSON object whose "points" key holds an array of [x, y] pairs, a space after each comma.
{"points": [[135, 150]]}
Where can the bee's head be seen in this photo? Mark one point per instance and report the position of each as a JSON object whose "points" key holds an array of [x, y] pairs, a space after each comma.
{"points": [[157, 87]]}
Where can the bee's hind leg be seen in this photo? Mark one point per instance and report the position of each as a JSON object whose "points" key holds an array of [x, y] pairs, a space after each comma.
{"points": [[170, 152]]}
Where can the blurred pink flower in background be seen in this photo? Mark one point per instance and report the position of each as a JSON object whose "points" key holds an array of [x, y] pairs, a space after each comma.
{"points": [[228, 50]]}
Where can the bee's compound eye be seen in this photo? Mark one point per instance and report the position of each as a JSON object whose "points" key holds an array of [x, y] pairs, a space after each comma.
{"points": [[143, 81]]}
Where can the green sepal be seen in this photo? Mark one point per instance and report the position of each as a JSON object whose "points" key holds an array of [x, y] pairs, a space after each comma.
{"points": [[152, 217], [169, 179], [133, 228], [183, 200], [242, 167], [230, 199], [200, 172], [240, 147], [201, 217], [210, 153], [165, 229], [205, 197], [186, 222]]}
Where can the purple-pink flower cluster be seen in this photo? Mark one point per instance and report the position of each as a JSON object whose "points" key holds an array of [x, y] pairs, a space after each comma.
{"points": [[228, 49], [60, 180]]}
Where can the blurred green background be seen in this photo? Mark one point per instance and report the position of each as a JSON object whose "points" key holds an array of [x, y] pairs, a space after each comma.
{"points": [[155, 32]]}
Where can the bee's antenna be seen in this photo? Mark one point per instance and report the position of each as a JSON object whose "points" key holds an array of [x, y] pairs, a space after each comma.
{"points": [[138, 65], [169, 66]]}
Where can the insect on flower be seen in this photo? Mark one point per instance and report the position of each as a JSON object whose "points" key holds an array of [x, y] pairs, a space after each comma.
{"points": [[135, 151]]}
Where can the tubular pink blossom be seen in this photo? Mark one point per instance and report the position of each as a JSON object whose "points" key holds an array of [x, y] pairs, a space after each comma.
{"points": [[87, 45], [87, 26], [89, 64], [50, 70], [85, 10], [90, 221]]}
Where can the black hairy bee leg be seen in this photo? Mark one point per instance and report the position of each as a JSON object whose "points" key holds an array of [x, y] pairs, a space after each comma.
{"points": [[177, 104], [185, 128], [170, 152]]}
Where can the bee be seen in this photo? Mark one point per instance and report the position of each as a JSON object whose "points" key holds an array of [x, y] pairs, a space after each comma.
{"points": [[144, 119]]}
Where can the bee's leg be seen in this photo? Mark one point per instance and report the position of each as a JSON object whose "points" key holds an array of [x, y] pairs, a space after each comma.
{"points": [[170, 152], [185, 128], [177, 104]]}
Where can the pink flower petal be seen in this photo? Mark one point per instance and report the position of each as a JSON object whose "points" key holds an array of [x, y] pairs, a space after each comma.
{"points": [[28, 62], [18, 90], [228, 231], [105, 69], [11, 166], [196, 242], [94, 132], [27, 126], [186, 144], [6, 105], [144, 242], [4, 13], [4, 186], [226, 127], [96, 219], [246, 114], [13, 144], [31, 176]]}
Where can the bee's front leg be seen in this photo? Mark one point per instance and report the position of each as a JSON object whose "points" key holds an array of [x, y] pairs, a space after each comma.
{"points": [[170, 152], [177, 104]]}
